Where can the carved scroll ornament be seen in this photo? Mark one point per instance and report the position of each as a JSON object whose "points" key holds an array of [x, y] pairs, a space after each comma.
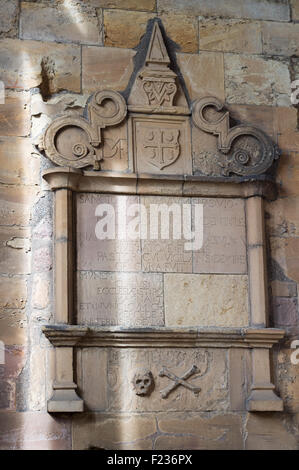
{"points": [[246, 150], [72, 141]]}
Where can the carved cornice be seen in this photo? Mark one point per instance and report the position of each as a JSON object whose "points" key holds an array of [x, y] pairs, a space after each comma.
{"points": [[81, 336], [167, 185]]}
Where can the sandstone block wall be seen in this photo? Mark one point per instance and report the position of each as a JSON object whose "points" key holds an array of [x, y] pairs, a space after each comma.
{"points": [[53, 54]]}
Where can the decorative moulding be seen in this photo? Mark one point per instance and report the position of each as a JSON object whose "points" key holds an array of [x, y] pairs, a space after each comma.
{"points": [[81, 336], [147, 184]]}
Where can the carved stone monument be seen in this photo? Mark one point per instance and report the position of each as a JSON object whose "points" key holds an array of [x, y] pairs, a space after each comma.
{"points": [[196, 319]]}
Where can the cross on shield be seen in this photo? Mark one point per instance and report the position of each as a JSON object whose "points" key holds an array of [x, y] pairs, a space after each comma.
{"points": [[163, 146]]}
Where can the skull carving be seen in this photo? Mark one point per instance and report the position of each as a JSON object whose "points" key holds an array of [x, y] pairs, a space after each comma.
{"points": [[143, 382]]}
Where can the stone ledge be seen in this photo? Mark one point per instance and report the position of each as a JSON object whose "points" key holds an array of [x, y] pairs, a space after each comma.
{"points": [[168, 185], [263, 398], [65, 399], [82, 336]]}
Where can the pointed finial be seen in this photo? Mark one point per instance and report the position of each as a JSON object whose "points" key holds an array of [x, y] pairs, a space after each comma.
{"points": [[157, 52], [156, 85]]}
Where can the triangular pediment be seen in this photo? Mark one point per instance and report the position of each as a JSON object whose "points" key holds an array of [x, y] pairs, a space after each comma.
{"points": [[153, 130], [157, 52]]}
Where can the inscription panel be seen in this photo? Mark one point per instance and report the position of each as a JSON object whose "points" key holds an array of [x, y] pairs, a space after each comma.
{"points": [[123, 281], [108, 254], [126, 299], [224, 237], [114, 151], [167, 255]]}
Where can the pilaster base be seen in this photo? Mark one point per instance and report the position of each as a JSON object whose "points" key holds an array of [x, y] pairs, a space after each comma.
{"points": [[263, 398], [65, 399]]}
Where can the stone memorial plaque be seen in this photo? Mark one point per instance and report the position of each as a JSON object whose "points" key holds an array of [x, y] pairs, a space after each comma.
{"points": [[224, 237], [126, 299], [161, 259], [118, 254]]}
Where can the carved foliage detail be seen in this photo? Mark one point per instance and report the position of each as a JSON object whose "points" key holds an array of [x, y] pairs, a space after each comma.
{"points": [[246, 150], [71, 141]]}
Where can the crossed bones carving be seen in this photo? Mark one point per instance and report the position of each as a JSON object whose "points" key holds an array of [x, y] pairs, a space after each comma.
{"points": [[179, 381]]}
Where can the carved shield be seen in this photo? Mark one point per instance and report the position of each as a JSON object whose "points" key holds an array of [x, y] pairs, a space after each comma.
{"points": [[162, 146]]}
